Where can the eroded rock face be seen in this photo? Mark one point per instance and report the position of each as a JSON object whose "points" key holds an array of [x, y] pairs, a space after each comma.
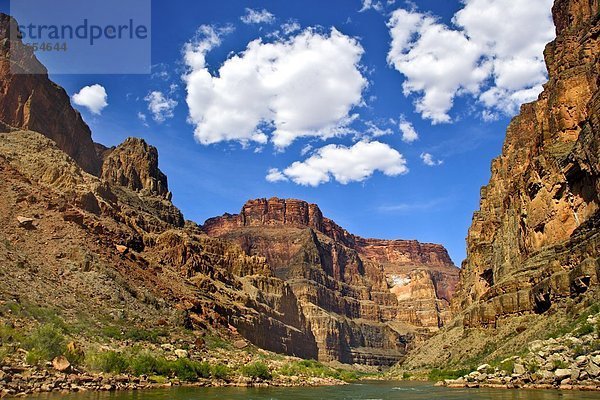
{"points": [[364, 300], [534, 240], [29, 100], [134, 164]]}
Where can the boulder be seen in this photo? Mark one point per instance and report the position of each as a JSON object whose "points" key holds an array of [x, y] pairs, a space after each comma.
{"points": [[61, 364], [25, 222]]}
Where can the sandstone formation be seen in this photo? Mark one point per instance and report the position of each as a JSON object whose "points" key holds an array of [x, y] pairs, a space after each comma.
{"points": [[102, 237], [134, 164], [535, 239], [29, 100], [533, 262], [364, 300]]}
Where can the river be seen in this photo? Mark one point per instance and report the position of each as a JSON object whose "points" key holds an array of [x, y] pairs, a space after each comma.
{"points": [[362, 391]]}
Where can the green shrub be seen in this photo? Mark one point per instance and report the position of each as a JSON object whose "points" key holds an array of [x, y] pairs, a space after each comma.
{"points": [[257, 370], [9, 335], [441, 374], [189, 371], [111, 331], [108, 361], [220, 371], [345, 375], [75, 357], [406, 375], [559, 364], [507, 366], [146, 363], [584, 330], [533, 367], [45, 343], [144, 335]]}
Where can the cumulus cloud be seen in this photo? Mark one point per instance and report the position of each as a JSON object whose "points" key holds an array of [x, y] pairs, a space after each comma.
{"points": [[430, 161], [142, 117], [92, 97], [344, 164], [409, 134], [485, 55], [290, 27], [160, 106], [257, 17], [375, 131], [274, 175], [370, 4], [306, 85]]}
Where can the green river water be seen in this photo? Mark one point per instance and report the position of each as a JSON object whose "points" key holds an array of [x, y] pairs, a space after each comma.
{"points": [[363, 391]]}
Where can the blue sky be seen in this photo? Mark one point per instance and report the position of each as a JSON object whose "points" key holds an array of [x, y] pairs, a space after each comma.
{"points": [[454, 79]]}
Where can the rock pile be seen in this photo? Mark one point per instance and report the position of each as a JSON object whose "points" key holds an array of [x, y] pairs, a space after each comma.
{"points": [[567, 362]]}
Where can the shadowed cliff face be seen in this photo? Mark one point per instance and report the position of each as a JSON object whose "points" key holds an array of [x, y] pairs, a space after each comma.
{"points": [[134, 164], [534, 241], [398, 290], [31, 101]]}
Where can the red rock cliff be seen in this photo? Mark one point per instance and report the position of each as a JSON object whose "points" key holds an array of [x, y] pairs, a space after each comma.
{"points": [[30, 100], [341, 279], [534, 241]]}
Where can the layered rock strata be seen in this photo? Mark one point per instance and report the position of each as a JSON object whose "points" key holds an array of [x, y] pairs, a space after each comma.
{"points": [[534, 240], [29, 100], [365, 300]]}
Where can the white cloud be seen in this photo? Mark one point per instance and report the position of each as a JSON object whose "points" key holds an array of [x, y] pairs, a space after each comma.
{"points": [[369, 4], [257, 17], [494, 53], [290, 27], [92, 97], [274, 175], [375, 131], [142, 117], [160, 106], [429, 160], [409, 134], [344, 164], [306, 85], [306, 149]]}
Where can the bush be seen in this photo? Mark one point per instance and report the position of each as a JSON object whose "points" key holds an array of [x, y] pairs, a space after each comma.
{"points": [[257, 370], [8, 335], [138, 335], [220, 371], [147, 364], [346, 376], [441, 374], [109, 361], [406, 375], [112, 332], [507, 366], [45, 343], [75, 356], [190, 371], [583, 330]]}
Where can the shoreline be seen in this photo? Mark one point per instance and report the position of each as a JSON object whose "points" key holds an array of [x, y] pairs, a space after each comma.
{"points": [[454, 384], [21, 382]]}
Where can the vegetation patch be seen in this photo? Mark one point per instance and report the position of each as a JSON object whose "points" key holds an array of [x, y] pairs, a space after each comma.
{"points": [[257, 370]]}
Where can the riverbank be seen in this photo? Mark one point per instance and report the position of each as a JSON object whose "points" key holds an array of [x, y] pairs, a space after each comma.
{"points": [[19, 381], [571, 361]]}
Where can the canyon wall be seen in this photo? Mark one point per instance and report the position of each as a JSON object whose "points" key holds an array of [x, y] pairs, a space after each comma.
{"points": [[29, 100], [399, 290], [533, 249], [105, 240], [534, 239]]}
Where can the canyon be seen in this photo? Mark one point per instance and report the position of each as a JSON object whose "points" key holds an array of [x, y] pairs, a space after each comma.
{"points": [[92, 232], [106, 239], [533, 259]]}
